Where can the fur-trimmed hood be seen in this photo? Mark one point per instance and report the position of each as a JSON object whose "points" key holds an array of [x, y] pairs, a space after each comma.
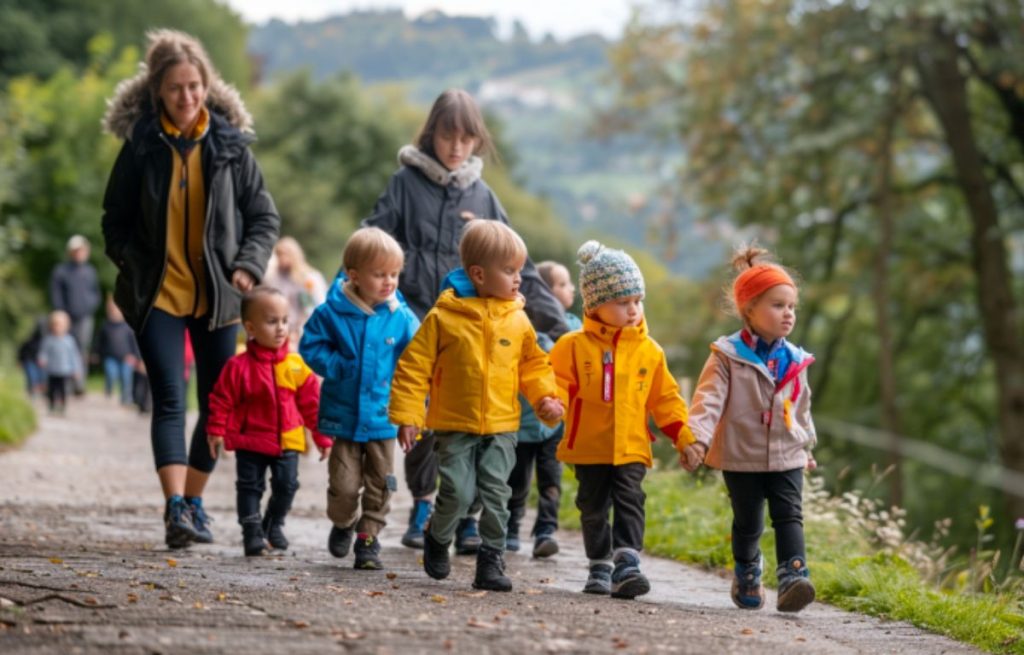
{"points": [[463, 178], [131, 102]]}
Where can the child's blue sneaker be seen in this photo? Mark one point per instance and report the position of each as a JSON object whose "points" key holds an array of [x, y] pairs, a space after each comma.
{"points": [[512, 543], [467, 537], [178, 529], [600, 579], [413, 537], [200, 520], [747, 591], [627, 580], [795, 589]]}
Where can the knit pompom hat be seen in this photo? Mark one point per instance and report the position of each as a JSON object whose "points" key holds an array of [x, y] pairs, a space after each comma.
{"points": [[606, 274]]}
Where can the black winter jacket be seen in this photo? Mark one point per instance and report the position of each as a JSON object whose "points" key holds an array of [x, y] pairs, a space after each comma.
{"points": [[427, 218], [75, 289], [242, 223]]}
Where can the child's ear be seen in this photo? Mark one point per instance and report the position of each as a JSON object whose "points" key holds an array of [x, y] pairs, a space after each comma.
{"points": [[476, 273]]}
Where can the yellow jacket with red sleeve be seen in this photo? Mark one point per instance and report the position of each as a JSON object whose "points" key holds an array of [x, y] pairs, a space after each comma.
{"points": [[471, 357], [611, 380]]}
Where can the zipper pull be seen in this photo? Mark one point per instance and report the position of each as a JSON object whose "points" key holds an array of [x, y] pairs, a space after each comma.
{"points": [[608, 379]]}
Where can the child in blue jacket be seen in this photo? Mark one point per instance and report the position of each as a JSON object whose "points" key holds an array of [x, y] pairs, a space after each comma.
{"points": [[353, 340]]}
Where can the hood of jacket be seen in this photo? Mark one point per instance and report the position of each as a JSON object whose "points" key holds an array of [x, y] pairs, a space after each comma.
{"points": [[477, 308], [463, 177], [735, 347], [131, 102]]}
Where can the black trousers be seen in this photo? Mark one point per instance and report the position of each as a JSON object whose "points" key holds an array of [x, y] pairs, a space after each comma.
{"points": [[748, 493], [251, 482], [421, 467], [604, 487], [56, 390], [549, 485]]}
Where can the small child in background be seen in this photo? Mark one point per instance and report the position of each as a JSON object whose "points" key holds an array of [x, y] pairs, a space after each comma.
{"points": [[354, 340], [752, 417], [60, 360], [28, 358], [475, 352], [118, 353], [557, 277], [612, 376], [262, 400]]}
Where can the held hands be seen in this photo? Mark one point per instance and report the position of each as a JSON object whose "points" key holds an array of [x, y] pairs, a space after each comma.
{"points": [[693, 456], [811, 462], [550, 409], [407, 437], [216, 444], [324, 452], [242, 280]]}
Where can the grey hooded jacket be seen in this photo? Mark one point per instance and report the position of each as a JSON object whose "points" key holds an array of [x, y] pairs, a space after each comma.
{"points": [[241, 225]]}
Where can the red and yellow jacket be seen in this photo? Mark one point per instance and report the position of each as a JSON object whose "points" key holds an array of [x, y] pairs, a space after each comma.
{"points": [[262, 401], [610, 380]]}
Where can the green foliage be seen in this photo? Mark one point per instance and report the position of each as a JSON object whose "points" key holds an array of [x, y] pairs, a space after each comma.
{"points": [[17, 418]]}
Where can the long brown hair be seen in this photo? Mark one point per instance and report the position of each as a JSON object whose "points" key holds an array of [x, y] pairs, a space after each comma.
{"points": [[455, 111], [168, 48]]}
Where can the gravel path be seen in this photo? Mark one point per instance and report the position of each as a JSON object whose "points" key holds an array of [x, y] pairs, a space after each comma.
{"points": [[83, 569]]}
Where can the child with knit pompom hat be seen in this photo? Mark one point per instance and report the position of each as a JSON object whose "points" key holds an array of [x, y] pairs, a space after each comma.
{"points": [[752, 417], [612, 376]]}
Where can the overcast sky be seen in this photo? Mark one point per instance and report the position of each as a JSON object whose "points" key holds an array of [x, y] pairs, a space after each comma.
{"points": [[563, 18]]}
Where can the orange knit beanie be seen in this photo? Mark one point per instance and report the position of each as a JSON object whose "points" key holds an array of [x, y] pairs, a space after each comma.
{"points": [[757, 279]]}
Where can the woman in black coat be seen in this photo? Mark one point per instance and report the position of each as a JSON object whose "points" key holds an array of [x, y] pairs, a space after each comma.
{"points": [[190, 226]]}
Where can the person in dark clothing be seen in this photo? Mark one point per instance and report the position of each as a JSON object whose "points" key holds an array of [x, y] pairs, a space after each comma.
{"points": [[190, 226], [28, 359], [118, 354], [427, 202], [75, 290]]}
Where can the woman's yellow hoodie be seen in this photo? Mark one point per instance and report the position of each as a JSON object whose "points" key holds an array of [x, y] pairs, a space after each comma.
{"points": [[471, 357], [610, 381]]}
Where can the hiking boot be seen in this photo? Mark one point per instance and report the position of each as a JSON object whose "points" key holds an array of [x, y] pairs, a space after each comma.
{"points": [[200, 520], [274, 532], [178, 529], [413, 537], [512, 543], [253, 542], [627, 580], [795, 589], [339, 541], [600, 579], [435, 557], [747, 591], [467, 537], [544, 545], [367, 553], [490, 570]]}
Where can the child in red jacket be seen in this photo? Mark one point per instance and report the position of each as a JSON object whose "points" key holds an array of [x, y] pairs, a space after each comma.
{"points": [[259, 407]]}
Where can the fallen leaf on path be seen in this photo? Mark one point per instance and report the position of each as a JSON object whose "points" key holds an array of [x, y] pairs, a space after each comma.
{"points": [[89, 600], [222, 596], [438, 598], [391, 575], [172, 562], [534, 592], [56, 560], [474, 622], [747, 631], [801, 639], [348, 635], [176, 599], [473, 594], [373, 592], [300, 624], [133, 598]]}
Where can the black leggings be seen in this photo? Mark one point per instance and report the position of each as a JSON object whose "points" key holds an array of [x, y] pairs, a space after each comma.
{"points": [[162, 343], [748, 493]]}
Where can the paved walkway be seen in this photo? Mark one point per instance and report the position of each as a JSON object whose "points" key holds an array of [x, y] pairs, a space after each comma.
{"points": [[83, 569]]}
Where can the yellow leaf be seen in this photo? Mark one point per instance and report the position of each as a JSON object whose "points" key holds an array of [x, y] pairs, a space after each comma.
{"points": [[438, 598], [56, 560], [222, 596], [172, 562]]}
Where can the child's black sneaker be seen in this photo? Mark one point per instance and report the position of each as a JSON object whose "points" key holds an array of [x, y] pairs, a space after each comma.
{"points": [[627, 580], [544, 545], [600, 579], [253, 542], [413, 537], [747, 591], [367, 552], [490, 570], [273, 530], [339, 541], [178, 529], [467, 537], [795, 589], [200, 520], [436, 561]]}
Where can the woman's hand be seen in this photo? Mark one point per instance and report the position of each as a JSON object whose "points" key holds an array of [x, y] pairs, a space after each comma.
{"points": [[242, 280]]}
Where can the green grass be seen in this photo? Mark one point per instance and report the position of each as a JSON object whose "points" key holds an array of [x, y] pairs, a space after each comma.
{"points": [[689, 518], [17, 418]]}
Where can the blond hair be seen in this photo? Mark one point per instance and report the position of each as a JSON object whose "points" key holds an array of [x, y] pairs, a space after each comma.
{"points": [[455, 111], [367, 245], [58, 317], [487, 241], [546, 270], [300, 267], [168, 48]]}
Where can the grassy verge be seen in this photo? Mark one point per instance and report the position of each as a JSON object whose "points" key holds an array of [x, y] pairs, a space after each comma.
{"points": [[858, 557], [17, 417]]}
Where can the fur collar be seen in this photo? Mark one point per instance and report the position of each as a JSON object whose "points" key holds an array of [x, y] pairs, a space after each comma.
{"points": [[462, 178], [131, 101]]}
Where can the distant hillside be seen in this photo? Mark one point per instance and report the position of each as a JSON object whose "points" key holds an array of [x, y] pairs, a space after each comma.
{"points": [[543, 91]]}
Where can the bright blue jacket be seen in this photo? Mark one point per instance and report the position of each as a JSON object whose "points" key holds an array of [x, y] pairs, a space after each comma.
{"points": [[356, 354]]}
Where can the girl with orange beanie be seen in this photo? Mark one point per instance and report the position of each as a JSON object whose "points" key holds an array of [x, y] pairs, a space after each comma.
{"points": [[751, 416]]}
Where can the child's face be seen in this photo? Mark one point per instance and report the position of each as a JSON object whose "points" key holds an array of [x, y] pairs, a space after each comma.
{"points": [[59, 325], [627, 311], [452, 149], [267, 324], [562, 287], [376, 281], [773, 314], [497, 280]]}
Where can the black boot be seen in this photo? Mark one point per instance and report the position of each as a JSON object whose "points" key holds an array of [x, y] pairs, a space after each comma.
{"points": [[436, 561], [252, 538], [490, 570], [274, 532]]}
